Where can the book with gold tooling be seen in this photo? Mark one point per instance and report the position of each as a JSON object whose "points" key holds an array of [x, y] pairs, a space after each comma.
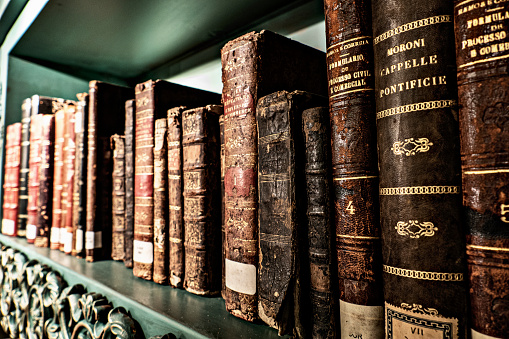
{"points": [[118, 197], [482, 58], [423, 246], [11, 179], [26, 109]]}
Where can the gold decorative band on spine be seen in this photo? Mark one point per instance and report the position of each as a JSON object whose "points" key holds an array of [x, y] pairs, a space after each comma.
{"points": [[173, 143], [174, 177], [487, 171], [410, 190], [175, 208], [413, 25], [488, 248], [349, 40], [274, 137], [419, 106], [423, 275], [484, 61], [353, 91], [273, 177], [464, 2], [356, 178], [357, 237]]}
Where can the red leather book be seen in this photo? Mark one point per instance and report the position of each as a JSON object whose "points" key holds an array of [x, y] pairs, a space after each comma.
{"points": [[44, 207], [153, 99], [354, 166], [202, 218], [61, 118], [11, 179], [106, 117], [482, 59], [69, 155], [254, 65]]}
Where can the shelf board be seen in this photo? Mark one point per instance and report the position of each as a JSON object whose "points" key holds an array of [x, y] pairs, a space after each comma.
{"points": [[127, 38], [159, 309]]}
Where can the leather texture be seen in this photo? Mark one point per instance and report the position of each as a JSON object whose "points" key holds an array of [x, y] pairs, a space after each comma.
{"points": [[118, 197], [26, 109], [11, 179], [482, 49], [130, 106], [69, 155]]}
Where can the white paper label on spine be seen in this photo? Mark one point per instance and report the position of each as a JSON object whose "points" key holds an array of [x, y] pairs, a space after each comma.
{"points": [[31, 231], [67, 240], [240, 277], [93, 240], [79, 240], [55, 235], [478, 335], [359, 321], [8, 227], [143, 252]]}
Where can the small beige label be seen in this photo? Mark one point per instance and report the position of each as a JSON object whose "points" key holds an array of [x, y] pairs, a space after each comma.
{"points": [[67, 240], [361, 322], [478, 335], [8, 227], [415, 321], [31, 231], [93, 240], [143, 252], [79, 241], [240, 277]]}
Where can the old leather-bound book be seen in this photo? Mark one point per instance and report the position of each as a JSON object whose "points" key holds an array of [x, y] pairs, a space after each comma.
{"points": [[45, 198], [175, 199], [80, 177], [26, 109], [482, 52], [423, 246], [315, 127], [40, 105], [354, 166], [281, 208], [118, 197], [153, 99], [129, 182], [106, 117], [11, 179], [221, 155], [202, 217], [161, 246], [69, 154], [254, 65], [61, 118]]}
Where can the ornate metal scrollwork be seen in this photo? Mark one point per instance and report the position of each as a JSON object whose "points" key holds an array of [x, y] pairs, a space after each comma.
{"points": [[37, 303]]}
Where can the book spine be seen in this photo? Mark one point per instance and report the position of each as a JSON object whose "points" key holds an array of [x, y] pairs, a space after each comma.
{"points": [[222, 159], [143, 244], [315, 128], [67, 239], [80, 177], [118, 197], [58, 179], [200, 144], [482, 52], [240, 178], [45, 197], [26, 109], [175, 199], [11, 179], [418, 148], [161, 255], [34, 161], [93, 235], [129, 182], [354, 165]]}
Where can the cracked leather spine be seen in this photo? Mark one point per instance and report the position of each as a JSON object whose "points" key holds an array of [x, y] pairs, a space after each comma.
{"points": [[482, 51], [423, 245]]}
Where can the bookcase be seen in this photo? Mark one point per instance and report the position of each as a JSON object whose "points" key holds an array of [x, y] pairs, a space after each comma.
{"points": [[54, 48]]}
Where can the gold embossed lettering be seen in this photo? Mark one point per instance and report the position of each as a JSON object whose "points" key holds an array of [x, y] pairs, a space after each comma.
{"points": [[350, 207], [504, 209]]}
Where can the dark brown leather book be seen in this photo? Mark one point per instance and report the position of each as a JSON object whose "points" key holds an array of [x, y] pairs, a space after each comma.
{"points": [[281, 207], [202, 218], [153, 99], [175, 199], [61, 118], [69, 154], [80, 177], [354, 166], [129, 182], [482, 52], [315, 127], [161, 245], [106, 117], [26, 109], [118, 197], [45, 198], [423, 245], [254, 65], [221, 142], [40, 105], [11, 179]]}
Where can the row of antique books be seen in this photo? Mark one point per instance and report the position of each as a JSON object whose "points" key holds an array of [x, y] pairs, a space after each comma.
{"points": [[316, 181]]}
